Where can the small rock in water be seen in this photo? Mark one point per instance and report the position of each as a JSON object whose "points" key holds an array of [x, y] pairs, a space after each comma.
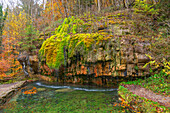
{"points": [[40, 89], [64, 90]]}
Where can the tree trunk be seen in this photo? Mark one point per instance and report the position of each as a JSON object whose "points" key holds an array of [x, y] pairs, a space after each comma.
{"points": [[98, 5]]}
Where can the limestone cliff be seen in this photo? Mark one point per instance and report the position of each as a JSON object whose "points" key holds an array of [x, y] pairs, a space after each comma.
{"points": [[98, 50]]}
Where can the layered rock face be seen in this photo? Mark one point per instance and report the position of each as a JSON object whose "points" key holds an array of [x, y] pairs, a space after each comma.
{"points": [[111, 60], [102, 51]]}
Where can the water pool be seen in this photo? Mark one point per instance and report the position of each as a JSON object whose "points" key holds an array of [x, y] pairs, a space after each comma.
{"points": [[39, 97]]}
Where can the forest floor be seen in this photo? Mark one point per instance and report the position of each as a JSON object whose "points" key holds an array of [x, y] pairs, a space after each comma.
{"points": [[146, 93]]}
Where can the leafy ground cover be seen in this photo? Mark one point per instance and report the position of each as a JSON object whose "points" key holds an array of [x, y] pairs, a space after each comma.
{"points": [[158, 83], [141, 104]]}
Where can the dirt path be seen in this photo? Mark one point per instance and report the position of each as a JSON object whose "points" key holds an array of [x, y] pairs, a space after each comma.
{"points": [[142, 92]]}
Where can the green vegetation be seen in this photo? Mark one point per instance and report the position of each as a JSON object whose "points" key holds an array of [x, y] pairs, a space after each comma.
{"points": [[53, 48], [140, 104], [160, 70], [30, 39], [2, 19], [145, 8], [157, 83], [68, 36], [146, 21], [16, 79], [84, 30], [8, 82]]}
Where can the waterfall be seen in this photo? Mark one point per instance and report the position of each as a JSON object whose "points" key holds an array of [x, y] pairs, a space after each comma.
{"points": [[24, 68]]}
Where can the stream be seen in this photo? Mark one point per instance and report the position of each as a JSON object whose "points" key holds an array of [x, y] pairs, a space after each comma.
{"points": [[41, 97]]}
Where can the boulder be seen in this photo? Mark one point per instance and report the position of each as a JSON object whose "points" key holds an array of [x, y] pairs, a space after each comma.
{"points": [[108, 57], [140, 67], [130, 59], [83, 70], [106, 68], [130, 69], [139, 48], [121, 67], [100, 69], [91, 70], [64, 90], [141, 58], [140, 73], [123, 60], [100, 54], [29, 61], [41, 89], [34, 64]]}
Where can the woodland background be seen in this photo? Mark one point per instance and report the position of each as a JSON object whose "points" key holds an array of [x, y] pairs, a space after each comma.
{"points": [[23, 24]]}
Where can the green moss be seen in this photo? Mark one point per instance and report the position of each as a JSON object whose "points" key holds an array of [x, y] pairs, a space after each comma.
{"points": [[68, 36], [53, 48]]}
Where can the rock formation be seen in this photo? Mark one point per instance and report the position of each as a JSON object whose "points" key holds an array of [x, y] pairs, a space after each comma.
{"points": [[109, 60], [30, 63], [103, 51]]}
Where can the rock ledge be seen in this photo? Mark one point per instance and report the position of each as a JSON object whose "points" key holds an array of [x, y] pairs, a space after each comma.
{"points": [[7, 90]]}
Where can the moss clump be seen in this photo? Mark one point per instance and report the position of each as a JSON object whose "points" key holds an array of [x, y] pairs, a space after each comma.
{"points": [[53, 48], [68, 36]]}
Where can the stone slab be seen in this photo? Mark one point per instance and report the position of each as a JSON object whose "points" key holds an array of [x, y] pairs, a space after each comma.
{"points": [[7, 90]]}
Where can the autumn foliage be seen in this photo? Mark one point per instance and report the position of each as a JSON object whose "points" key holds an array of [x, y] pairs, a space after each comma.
{"points": [[12, 34], [18, 19], [31, 91]]}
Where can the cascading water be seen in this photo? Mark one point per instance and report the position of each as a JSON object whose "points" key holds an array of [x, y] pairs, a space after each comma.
{"points": [[75, 88], [24, 69]]}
